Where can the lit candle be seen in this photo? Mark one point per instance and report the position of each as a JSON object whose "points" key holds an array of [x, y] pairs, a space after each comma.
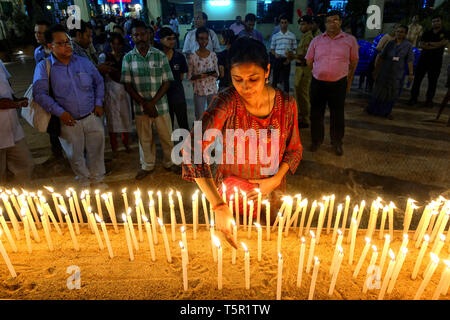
{"points": [[314, 278], [408, 215], [88, 197], [247, 266], [330, 214], [153, 221], [233, 250], [139, 214], [373, 259], [434, 215], [6, 258], [159, 204], [311, 251], [336, 251], [113, 212], [27, 229], [236, 205], [224, 192], [72, 233], [258, 228], [354, 216], [360, 212], [11, 216], [52, 218], [387, 242], [344, 221], [77, 204], [97, 233], [397, 268], [55, 202], [149, 237], [320, 221], [219, 262], [405, 241], [86, 210], [373, 218], [304, 205], [352, 243], [183, 238], [30, 220], [423, 248], [180, 203], [99, 204], [258, 208], [7, 232], [73, 212], [288, 214], [105, 235], [195, 214], [336, 272], [132, 233], [422, 219], [230, 205], [280, 275], [46, 225], [108, 207], [445, 277], [205, 211], [336, 222], [387, 276], [14, 200], [423, 227], [184, 265], [301, 259], [127, 236], [244, 207], [166, 241], [437, 247], [443, 224], [362, 258], [267, 204], [213, 247], [383, 222], [125, 199], [427, 276], [280, 231], [173, 222], [250, 218], [32, 208]]}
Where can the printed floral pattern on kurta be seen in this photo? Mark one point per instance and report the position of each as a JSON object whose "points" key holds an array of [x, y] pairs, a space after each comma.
{"points": [[227, 111], [198, 65]]}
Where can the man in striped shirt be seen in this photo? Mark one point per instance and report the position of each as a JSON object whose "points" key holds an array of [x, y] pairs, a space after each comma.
{"points": [[282, 44]]}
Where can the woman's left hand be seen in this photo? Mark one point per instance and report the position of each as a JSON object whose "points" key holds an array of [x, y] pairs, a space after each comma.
{"points": [[266, 186]]}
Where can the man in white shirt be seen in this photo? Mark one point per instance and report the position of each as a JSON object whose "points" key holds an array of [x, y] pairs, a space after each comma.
{"points": [[15, 156], [282, 42], [190, 43], [237, 26]]}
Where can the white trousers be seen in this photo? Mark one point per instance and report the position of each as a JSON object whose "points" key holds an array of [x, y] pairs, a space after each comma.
{"points": [[84, 146]]}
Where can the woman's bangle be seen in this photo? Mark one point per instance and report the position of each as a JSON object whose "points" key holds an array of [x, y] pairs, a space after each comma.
{"points": [[221, 204]]}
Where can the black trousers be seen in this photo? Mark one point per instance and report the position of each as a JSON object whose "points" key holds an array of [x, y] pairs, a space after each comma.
{"points": [[433, 69], [54, 130], [333, 94], [180, 111], [281, 73]]}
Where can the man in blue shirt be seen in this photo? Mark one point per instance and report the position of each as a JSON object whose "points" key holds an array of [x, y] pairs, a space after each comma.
{"points": [[249, 31], [41, 52], [76, 97]]}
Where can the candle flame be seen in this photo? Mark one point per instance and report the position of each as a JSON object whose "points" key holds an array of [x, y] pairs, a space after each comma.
{"points": [[244, 246], [212, 223], [50, 189], [316, 259], [339, 231], [298, 196], [158, 193], [14, 191], [340, 207], [97, 191], [304, 203], [374, 248], [144, 218], [67, 193], [70, 189], [104, 197], [233, 222], [170, 193], [224, 187], [341, 251], [203, 196], [387, 237], [367, 240], [442, 237], [279, 214], [347, 198], [181, 245], [136, 202], [124, 218], [97, 217], [266, 202], [303, 239], [87, 191], [63, 210], [250, 202], [313, 235], [8, 191], [426, 238], [447, 263], [391, 254], [405, 236], [23, 211], [355, 208], [404, 250], [38, 208], [363, 203], [160, 222], [280, 257], [232, 197], [434, 257], [182, 229], [82, 195], [257, 225], [152, 203], [89, 209], [150, 193], [332, 197], [129, 211], [257, 190], [235, 189], [354, 221], [216, 241], [124, 190], [243, 193]]}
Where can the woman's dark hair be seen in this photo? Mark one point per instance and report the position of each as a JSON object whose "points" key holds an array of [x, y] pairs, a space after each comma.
{"points": [[404, 27], [117, 36], [248, 50], [165, 32], [200, 31], [53, 29], [228, 36]]}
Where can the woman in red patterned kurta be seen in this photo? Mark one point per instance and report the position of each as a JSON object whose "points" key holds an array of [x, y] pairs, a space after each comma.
{"points": [[249, 104]]}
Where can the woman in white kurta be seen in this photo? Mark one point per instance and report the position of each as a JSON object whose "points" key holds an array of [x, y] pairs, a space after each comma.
{"points": [[117, 102]]}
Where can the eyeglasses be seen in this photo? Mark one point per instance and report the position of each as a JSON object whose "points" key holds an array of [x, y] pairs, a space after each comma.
{"points": [[62, 44]]}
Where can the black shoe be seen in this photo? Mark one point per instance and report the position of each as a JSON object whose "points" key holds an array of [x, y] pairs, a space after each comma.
{"points": [[338, 150], [412, 102], [142, 174], [303, 125], [314, 147]]}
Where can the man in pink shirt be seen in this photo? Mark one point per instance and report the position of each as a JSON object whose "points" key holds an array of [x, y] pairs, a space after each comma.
{"points": [[333, 57]]}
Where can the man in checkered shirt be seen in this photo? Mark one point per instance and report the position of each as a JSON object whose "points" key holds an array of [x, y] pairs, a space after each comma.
{"points": [[282, 42], [146, 75]]}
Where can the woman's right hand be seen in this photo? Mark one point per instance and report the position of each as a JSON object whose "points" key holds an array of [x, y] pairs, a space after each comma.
{"points": [[223, 217]]}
